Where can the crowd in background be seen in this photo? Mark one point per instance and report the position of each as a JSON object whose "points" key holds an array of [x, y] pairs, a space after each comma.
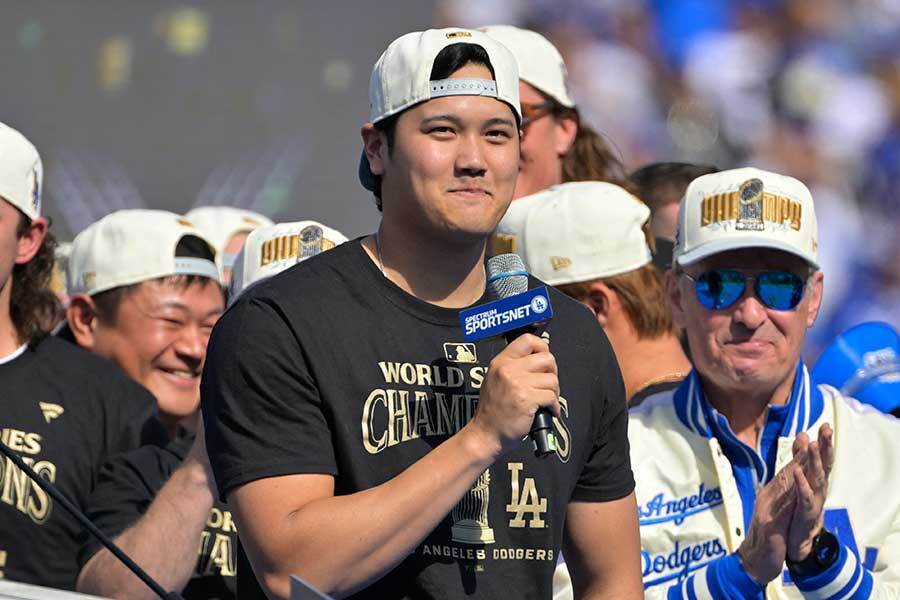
{"points": [[803, 87], [807, 89]]}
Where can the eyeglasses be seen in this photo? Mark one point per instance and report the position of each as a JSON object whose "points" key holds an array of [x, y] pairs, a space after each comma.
{"points": [[533, 112], [718, 289]]}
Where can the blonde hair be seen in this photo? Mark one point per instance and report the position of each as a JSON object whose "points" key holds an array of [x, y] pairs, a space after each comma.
{"points": [[643, 297]]}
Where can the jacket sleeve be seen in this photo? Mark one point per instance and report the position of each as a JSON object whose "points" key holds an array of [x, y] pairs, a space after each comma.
{"points": [[849, 578], [721, 579]]}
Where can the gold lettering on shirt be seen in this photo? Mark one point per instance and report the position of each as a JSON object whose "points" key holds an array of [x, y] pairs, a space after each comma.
{"points": [[525, 500], [16, 487], [216, 554]]}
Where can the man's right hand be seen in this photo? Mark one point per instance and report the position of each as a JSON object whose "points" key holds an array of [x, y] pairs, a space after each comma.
{"points": [[764, 549], [520, 379]]}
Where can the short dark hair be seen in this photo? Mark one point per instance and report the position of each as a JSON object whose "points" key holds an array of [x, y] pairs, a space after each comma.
{"points": [[33, 306], [659, 184], [448, 61], [108, 302]]}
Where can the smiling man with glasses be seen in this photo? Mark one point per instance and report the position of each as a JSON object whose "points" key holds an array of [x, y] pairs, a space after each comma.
{"points": [[748, 475]]}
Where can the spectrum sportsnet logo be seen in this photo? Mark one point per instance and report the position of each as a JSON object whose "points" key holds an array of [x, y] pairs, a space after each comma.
{"points": [[508, 314]]}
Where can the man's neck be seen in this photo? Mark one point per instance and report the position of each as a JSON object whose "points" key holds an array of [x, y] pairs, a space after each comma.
{"points": [[648, 362], [9, 337], [448, 276], [746, 409]]}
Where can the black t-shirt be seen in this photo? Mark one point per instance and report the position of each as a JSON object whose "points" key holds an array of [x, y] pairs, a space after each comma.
{"points": [[330, 368], [127, 486], [65, 411]]}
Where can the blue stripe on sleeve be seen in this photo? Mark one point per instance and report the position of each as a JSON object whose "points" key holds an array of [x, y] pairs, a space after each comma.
{"points": [[727, 578]]}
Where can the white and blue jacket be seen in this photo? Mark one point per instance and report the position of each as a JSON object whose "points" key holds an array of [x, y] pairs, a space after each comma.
{"points": [[697, 485]]}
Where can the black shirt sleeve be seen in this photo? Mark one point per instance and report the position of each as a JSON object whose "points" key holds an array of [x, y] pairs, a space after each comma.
{"points": [[261, 406], [134, 420], [126, 487], [607, 472]]}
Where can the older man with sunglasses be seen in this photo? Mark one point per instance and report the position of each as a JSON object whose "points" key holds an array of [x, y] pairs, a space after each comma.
{"points": [[753, 481]]}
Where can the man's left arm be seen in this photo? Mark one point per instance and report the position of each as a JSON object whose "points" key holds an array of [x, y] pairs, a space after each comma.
{"points": [[602, 548]]}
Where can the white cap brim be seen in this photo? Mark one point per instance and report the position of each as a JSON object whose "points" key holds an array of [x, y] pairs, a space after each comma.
{"points": [[725, 245]]}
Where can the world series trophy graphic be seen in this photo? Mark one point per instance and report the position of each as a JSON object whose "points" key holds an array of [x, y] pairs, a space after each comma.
{"points": [[470, 515], [310, 242], [750, 206]]}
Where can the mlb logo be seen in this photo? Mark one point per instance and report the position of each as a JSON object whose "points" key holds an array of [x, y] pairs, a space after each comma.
{"points": [[460, 353]]}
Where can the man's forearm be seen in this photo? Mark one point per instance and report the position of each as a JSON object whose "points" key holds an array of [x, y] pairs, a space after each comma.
{"points": [[343, 543], [163, 542]]}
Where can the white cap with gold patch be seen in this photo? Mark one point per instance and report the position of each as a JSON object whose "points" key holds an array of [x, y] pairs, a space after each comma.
{"points": [[273, 249], [21, 172], [746, 208], [130, 246], [540, 63], [219, 223], [576, 231]]}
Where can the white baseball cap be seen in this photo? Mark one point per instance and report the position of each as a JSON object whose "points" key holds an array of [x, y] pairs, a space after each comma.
{"points": [[130, 246], [746, 208], [273, 249], [578, 231], [402, 77], [219, 223], [21, 172], [540, 63]]}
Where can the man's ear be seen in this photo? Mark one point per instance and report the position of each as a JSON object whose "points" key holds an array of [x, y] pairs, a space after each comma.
{"points": [[82, 317], [375, 148], [815, 288], [31, 240], [601, 298], [673, 296], [566, 130]]}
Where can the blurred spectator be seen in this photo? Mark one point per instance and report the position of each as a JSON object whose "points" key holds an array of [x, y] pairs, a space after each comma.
{"points": [[589, 240], [145, 293], [63, 411], [864, 362], [226, 228], [661, 186], [555, 145]]}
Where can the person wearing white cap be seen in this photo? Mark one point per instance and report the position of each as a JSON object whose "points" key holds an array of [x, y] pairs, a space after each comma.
{"points": [[145, 293], [63, 410], [226, 228], [750, 476], [344, 386], [556, 145], [589, 240], [270, 250]]}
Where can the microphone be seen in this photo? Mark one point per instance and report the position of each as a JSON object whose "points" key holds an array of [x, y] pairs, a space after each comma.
{"points": [[507, 277]]}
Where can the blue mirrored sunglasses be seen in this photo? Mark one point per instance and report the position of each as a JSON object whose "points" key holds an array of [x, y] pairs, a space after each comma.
{"points": [[718, 289]]}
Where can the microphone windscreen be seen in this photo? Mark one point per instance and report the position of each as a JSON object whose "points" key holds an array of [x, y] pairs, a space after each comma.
{"points": [[506, 275]]}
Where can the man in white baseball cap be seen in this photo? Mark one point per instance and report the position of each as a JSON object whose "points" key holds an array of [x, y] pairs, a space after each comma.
{"points": [[749, 477], [273, 249], [144, 292], [226, 228], [589, 239], [557, 146], [63, 410], [344, 387]]}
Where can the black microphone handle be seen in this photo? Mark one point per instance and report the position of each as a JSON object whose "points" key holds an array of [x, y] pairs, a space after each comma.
{"points": [[73, 510], [541, 433]]}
